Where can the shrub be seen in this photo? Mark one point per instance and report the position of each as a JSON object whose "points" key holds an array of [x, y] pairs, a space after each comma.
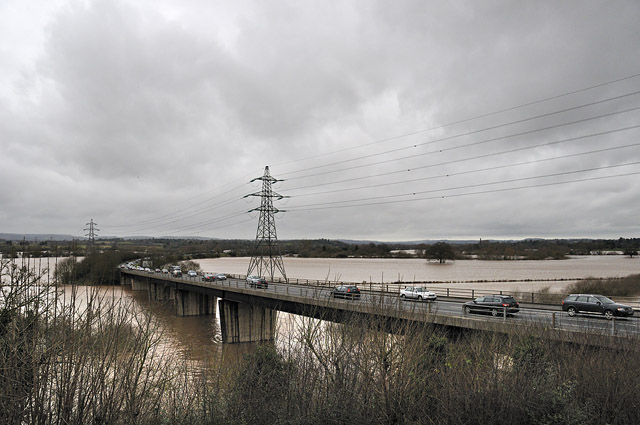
{"points": [[621, 287]]}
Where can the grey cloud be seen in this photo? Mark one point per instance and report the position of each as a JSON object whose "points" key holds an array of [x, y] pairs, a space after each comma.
{"points": [[134, 110]]}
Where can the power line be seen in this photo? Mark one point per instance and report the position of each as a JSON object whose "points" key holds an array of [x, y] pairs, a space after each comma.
{"points": [[193, 226], [483, 156], [467, 119], [187, 212], [189, 215], [304, 207], [222, 227], [198, 224], [494, 139], [520, 121], [465, 194], [497, 167], [170, 215]]}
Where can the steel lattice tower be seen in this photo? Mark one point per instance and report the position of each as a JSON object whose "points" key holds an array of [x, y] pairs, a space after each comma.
{"points": [[92, 229], [266, 256]]}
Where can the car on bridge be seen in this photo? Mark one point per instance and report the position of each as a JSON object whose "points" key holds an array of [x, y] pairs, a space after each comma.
{"points": [[494, 304], [593, 303], [257, 282], [192, 273], [220, 276], [417, 293], [208, 277], [346, 291]]}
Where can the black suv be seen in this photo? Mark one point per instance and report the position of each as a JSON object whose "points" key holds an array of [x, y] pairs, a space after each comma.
{"points": [[494, 304], [590, 303], [346, 291]]}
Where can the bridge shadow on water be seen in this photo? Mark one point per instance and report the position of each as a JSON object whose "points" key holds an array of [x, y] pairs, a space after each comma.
{"points": [[197, 339]]}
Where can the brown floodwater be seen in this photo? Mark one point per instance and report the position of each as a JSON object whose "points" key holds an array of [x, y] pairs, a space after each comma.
{"points": [[197, 338], [392, 270]]}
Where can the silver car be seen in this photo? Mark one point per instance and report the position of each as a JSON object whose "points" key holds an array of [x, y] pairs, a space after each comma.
{"points": [[417, 293]]}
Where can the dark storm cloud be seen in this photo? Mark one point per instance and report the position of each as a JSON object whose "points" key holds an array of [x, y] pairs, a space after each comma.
{"points": [[151, 117]]}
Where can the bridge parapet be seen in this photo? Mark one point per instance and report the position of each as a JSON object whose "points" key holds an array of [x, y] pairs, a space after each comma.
{"points": [[249, 314]]}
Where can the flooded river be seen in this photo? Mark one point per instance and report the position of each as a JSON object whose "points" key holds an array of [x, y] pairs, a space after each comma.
{"points": [[507, 275], [198, 338]]}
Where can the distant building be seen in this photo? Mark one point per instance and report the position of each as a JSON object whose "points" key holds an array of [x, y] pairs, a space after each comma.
{"points": [[404, 251]]}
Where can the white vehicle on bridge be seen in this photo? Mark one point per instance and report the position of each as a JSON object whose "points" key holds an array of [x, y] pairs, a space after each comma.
{"points": [[192, 273], [417, 293]]}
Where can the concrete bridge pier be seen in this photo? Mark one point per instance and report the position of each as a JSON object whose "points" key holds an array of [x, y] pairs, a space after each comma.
{"points": [[139, 284], [160, 292], [241, 322], [193, 304]]}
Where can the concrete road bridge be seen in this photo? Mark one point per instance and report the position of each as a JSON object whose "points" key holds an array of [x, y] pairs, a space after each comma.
{"points": [[249, 314]]}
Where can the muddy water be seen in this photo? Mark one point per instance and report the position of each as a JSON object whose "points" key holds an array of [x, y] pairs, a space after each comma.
{"points": [[507, 275], [198, 338]]}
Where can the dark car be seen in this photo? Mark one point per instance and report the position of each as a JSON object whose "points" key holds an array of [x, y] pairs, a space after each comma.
{"points": [[208, 277], [258, 282], [592, 303], [346, 291], [494, 304]]}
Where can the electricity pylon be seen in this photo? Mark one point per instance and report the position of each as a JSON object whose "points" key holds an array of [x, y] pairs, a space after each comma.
{"points": [[266, 256], [92, 229]]}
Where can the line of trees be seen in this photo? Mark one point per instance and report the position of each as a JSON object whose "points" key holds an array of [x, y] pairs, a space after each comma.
{"points": [[164, 251]]}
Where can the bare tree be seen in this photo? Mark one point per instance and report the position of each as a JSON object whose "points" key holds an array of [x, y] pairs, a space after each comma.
{"points": [[440, 251]]}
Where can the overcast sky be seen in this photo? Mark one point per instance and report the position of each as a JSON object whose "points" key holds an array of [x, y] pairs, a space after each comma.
{"points": [[388, 121]]}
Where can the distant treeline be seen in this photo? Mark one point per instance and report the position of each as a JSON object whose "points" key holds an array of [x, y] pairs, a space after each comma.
{"points": [[164, 251]]}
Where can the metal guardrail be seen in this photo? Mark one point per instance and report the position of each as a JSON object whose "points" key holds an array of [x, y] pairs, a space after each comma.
{"points": [[541, 298], [629, 327], [380, 297], [535, 298]]}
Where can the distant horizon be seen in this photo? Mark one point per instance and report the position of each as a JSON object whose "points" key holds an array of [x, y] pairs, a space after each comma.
{"points": [[42, 237]]}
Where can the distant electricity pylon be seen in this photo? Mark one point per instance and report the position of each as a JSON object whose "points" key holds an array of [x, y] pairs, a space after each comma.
{"points": [[266, 256], [92, 229]]}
